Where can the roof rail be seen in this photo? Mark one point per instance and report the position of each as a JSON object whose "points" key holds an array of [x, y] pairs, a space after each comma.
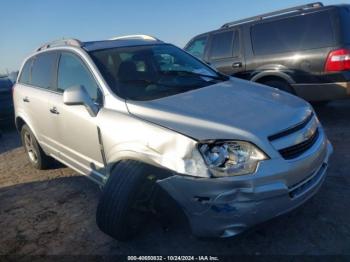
{"points": [[61, 42], [143, 37], [275, 13]]}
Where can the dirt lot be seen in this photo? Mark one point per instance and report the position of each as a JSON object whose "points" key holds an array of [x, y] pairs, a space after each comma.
{"points": [[53, 211]]}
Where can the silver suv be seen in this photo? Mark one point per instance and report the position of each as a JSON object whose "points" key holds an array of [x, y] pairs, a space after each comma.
{"points": [[135, 115]]}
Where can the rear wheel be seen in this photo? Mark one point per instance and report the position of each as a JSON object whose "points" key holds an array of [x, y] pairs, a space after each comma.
{"points": [[36, 155], [127, 199], [282, 85]]}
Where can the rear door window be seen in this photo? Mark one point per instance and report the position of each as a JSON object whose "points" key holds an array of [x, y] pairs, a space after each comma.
{"points": [[197, 47], [25, 74], [301, 32], [43, 69], [223, 45]]}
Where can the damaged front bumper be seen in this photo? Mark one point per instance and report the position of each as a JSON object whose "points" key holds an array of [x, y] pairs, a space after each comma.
{"points": [[224, 207]]}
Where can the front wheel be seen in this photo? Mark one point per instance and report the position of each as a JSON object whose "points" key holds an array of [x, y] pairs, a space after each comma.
{"points": [[37, 157], [126, 200]]}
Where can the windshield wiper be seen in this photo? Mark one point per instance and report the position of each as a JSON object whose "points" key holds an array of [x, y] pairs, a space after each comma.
{"points": [[217, 77]]}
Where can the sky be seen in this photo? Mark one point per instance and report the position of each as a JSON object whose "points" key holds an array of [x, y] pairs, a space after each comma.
{"points": [[26, 24]]}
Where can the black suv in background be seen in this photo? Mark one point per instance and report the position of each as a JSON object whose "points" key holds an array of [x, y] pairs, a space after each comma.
{"points": [[6, 102], [304, 50]]}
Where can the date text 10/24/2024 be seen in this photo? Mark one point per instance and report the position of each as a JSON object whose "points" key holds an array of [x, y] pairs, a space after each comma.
{"points": [[173, 258]]}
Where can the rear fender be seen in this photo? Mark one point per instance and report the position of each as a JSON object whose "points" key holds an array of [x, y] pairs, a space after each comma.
{"points": [[273, 72]]}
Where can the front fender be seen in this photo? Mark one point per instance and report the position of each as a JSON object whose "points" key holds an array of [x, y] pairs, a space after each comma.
{"points": [[175, 153]]}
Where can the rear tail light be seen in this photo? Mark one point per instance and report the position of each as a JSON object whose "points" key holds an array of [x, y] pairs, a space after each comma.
{"points": [[338, 60]]}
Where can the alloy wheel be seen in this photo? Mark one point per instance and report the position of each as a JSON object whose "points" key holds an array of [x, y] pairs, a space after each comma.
{"points": [[30, 148]]}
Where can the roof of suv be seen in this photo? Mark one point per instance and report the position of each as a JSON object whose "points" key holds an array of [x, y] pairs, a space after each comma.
{"points": [[121, 41], [276, 15], [106, 44]]}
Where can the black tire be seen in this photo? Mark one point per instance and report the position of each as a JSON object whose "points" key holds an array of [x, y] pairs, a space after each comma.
{"points": [[118, 213], [37, 157], [279, 84]]}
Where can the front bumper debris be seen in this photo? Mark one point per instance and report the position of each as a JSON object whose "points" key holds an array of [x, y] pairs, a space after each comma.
{"points": [[224, 207]]}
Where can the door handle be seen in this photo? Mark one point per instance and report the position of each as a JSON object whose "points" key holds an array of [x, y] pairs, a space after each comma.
{"points": [[237, 65], [26, 100], [53, 110]]}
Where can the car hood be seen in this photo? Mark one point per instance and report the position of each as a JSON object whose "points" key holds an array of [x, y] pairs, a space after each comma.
{"points": [[234, 109]]}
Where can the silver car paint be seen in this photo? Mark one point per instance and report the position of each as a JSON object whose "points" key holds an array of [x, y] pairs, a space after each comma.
{"points": [[119, 142], [235, 109], [165, 132]]}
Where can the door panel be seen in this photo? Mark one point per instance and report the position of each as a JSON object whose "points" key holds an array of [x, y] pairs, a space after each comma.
{"points": [[37, 101], [225, 52], [228, 66], [34, 95], [34, 102], [75, 130], [76, 136]]}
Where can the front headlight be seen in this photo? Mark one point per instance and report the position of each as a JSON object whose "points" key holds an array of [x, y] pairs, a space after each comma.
{"points": [[231, 158]]}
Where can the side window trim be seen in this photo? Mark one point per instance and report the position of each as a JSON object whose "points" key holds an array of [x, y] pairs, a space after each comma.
{"points": [[30, 61], [237, 46], [235, 32], [52, 87], [30, 70], [292, 20], [206, 36], [77, 56], [30, 84]]}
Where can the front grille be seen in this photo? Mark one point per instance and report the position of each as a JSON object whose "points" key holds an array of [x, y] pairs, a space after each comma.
{"points": [[298, 149], [292, 129]]}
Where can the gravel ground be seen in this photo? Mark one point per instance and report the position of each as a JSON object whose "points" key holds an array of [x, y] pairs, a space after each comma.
{"points": [[53, 211]]}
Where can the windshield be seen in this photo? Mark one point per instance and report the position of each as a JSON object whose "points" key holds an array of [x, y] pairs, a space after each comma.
{"points": [[152, 71]]}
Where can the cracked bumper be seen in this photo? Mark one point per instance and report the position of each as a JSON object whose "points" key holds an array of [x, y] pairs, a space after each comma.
{"points": [[223, 207]]}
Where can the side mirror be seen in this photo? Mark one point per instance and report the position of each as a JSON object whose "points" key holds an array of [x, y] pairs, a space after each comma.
{"points": [[77, 95]]}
